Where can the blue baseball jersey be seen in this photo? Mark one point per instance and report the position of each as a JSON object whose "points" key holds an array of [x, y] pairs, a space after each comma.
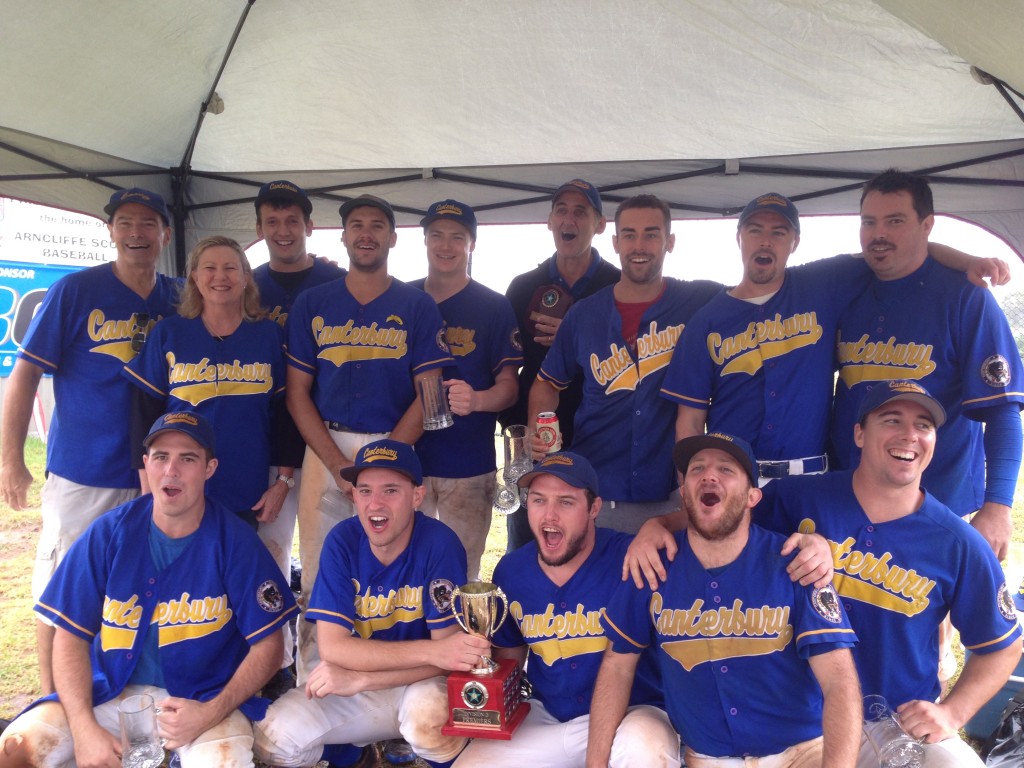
{"points": [[899, 579], [733, 645], [278, 300], [363, 356], [483, 337], [936, 328], [561, 626], [401, 601], [622, 427], [230, 381], [221, 595], [738, 360], [82, 333]]}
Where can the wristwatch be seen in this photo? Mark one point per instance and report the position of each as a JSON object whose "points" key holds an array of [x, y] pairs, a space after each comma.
{"points": [[287, 480]]}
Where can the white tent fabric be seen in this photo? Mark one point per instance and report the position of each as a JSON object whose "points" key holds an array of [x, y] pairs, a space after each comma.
{"points": [[703, 102]]}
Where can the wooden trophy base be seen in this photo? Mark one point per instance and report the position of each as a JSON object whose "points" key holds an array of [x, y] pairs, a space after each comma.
{"points": [[485, 706]]}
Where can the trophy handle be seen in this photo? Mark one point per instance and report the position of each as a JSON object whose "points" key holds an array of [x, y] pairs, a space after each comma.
{"points": [[456, 594], [504, 609]]}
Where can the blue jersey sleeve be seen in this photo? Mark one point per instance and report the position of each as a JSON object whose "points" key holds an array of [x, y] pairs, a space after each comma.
{"points": [[982, 608], [990, 365], [334, 592], [560, 367], [300, 341], [626, 618], [258, 593], [428, 346], [148, 370]]}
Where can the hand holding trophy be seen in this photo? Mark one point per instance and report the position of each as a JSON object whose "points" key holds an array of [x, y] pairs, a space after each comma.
{"points": [[486, 702]]}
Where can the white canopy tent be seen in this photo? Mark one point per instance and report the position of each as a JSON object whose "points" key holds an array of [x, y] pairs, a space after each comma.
{"points": [[703, 102]]}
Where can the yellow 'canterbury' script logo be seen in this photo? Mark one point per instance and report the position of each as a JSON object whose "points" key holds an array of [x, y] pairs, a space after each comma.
{"points": [[120, 623], [872, 579], [378, 612], [617, 372], [747, 350], [560, 636], [200, 381], [189, 618], [116, 333], [864, 360], [720, 633], [345, 343], [460, 340]]}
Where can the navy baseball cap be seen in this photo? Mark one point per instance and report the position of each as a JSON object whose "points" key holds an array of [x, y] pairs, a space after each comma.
{"points": [[188, 423], [142, 197], [736, 447], [887, 391], [367, 200], [386, 454], [284, 191], [589, 191], [772, 202], [452, 210], [566, 466]]}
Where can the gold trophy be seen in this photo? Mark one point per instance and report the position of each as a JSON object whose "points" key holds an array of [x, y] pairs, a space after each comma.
{"points": [[485, 702]]}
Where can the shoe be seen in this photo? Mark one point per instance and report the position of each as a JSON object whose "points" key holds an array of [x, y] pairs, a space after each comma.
{"points": [[398, 752], [282, 681]]}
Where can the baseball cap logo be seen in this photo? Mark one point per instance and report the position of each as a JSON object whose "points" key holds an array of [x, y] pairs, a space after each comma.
{"points": [[721, 436], [134, 195], [181, 418], [565, 461], [447, 209], [907, 387], [284, 186], [579, 183], [772, 199], [380, 454]]}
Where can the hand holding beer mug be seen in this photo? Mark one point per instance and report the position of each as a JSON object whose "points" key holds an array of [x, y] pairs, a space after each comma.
{"points": [[434, 398], [894, 747]]}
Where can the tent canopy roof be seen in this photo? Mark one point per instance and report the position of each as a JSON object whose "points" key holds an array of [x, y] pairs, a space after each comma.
{"points": [[702, 102]]}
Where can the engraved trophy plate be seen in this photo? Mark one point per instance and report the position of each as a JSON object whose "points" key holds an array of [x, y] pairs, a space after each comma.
{"points": [[485, 702]]}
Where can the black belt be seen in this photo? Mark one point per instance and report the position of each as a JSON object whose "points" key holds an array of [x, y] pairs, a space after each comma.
{"points": [[775, 469]]}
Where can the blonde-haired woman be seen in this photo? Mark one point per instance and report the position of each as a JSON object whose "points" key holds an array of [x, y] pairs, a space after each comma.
{"points": [[221, 357]]}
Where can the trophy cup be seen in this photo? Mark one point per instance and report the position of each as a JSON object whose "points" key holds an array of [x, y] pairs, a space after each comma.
{"points": [[486, 701]]}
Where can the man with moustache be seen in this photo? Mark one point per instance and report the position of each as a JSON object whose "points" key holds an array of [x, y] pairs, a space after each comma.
{"points": [[387, 634], [621, 340], [740, 355], [903, 561], [88, 326], [283, 211], [923, 322], [170, 596], [557, 586], [356, 348], [754, 666], [541, 297], [480, 329]]}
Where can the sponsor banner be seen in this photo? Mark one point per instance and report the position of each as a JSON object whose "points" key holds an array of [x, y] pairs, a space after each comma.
{"points": [[22, 287]]}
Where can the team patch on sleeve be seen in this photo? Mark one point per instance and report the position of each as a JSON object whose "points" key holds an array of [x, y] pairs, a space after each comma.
{"points": [[442, 342], [441, 594], [995, 371], [826, 603], [1005, 601], [516, 339], [269, 597]]}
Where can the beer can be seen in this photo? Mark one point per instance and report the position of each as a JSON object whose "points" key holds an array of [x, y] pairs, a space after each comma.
{"points": [[548, 432]]}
